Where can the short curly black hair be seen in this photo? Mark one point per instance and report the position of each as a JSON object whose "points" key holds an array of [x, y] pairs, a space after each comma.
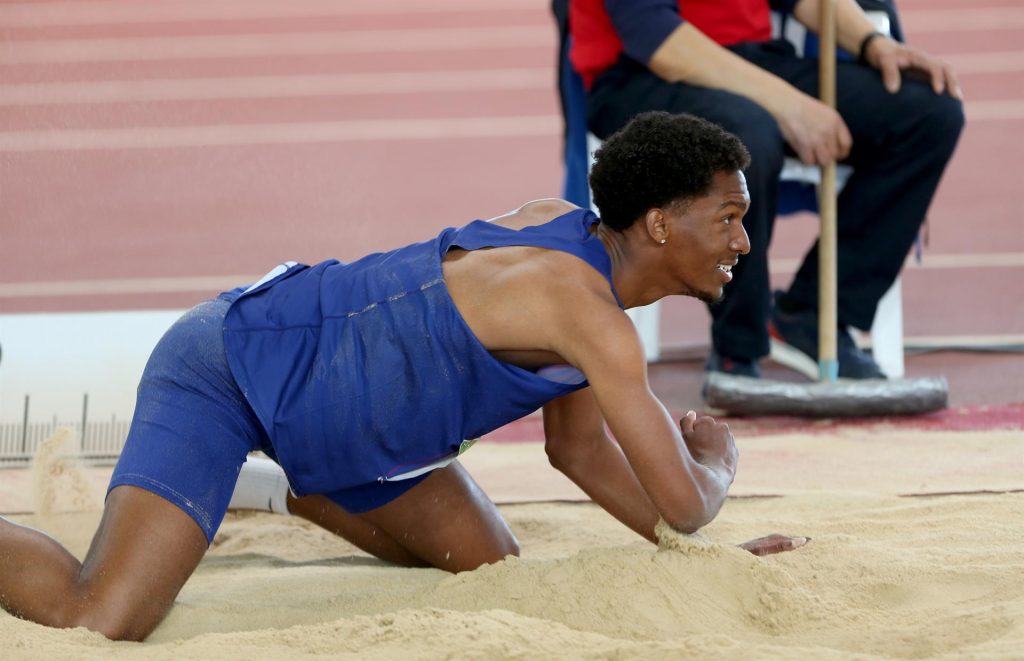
{"points": [[658, 159]]}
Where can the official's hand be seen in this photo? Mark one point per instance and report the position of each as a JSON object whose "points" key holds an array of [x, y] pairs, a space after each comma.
{"points": [[816, 132], [710, 443], [774, 544], [892, 58]]}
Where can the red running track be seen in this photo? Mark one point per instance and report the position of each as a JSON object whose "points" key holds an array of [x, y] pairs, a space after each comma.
{"points": [[153, 153]]}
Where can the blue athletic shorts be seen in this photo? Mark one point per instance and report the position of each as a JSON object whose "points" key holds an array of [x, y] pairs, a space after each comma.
{"points": [[193, 427]]}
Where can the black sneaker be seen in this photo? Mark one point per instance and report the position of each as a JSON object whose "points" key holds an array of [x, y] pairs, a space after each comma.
{"points": [[736, 366], [794, 340], [733, 366]]}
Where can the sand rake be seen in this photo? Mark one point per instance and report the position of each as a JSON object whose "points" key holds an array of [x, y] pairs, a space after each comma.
{"points": [[829, 397]]}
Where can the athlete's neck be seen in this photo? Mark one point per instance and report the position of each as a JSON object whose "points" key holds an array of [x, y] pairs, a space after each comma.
{"points": [[635, 270]]}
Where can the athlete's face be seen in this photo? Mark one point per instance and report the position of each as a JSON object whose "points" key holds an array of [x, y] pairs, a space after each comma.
{"points": [[707, 237]]}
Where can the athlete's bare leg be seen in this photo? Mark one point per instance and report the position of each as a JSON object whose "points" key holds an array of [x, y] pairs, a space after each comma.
{"points": [[448, 521], [445, 521], [353, 528], [143, 552]]}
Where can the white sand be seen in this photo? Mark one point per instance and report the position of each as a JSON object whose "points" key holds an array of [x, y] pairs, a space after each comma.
{"points": [[884, 576]]}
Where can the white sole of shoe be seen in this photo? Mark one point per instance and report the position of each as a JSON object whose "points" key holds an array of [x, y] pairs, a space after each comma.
{"points": [[796, 360]]}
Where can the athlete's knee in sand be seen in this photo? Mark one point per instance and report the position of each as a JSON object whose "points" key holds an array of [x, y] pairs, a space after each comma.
{"points": [[142, 553], [446, 521]]}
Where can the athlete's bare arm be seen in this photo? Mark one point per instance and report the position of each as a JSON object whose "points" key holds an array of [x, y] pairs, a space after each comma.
{"points": [[685, 481], [679, 473], [578, 446]]}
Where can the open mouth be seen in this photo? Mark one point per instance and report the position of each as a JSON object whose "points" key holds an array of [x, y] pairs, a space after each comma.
{"points": [[725, 269]]}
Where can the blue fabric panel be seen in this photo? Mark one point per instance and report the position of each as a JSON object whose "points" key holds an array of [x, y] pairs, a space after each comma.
{"points": [[364, 372], [643, 25]]}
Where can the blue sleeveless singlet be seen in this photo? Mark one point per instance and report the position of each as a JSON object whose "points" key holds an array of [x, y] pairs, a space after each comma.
{"points": [[366, 372]]}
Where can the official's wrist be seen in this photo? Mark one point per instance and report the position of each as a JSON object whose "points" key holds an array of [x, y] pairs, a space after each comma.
{"points": [[862, 52]]}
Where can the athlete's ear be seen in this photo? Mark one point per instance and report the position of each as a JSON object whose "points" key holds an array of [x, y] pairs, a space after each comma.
{"points": [[656, 223]]}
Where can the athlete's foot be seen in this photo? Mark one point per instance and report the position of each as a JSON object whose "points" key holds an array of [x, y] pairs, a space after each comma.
{"points": [[774, 544]]}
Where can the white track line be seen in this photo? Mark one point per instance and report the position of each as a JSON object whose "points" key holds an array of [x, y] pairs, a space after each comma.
{"points": [[124, 286], [117, 12], [988, 62], [252, 134], [962, 20], [1007, 109], [344, 131], [968, 260], [225, 282], [930, 262], [387, 82], [192, 47], [108, 12], [975, 341], [298, 85]]}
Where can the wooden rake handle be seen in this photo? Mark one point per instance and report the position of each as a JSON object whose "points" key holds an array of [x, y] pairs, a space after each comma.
{"points": [[828, 316]]}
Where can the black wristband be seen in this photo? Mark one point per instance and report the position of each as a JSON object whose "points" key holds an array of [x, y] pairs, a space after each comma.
{"points": [[862, 54]]}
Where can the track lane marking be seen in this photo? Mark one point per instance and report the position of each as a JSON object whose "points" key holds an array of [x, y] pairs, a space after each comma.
{"points": [[986, 62], [117, 286], [930, 262], [275, 87], [117, 12], [391, 130], [343, 84], [962, 19], [447, 128], [194, 47]]}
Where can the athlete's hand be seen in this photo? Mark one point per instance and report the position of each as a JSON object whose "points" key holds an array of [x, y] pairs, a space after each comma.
{"points": [[816, 132], [710, 443]]}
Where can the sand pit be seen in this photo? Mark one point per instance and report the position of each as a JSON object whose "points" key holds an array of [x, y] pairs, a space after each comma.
{"points": [[884, 577]]}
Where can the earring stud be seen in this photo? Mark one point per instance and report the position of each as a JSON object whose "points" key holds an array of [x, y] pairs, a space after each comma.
{"points": [[663, 241]]}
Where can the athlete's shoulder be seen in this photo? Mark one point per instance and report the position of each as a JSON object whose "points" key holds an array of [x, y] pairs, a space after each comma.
{"points": [[536, 212], [547, 209]]}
